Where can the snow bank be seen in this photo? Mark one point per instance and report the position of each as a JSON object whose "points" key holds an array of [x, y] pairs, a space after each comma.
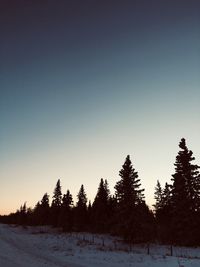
{"points": [[46, 247]]}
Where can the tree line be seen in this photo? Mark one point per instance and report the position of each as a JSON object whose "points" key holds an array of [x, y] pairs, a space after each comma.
{"points": [[175, 218]]}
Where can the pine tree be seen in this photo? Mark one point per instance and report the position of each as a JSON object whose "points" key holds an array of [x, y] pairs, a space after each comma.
{"points": [[113, 224], [23, 214], [185, 196], [66, 216], [41, 212], [89, 217], [45, 201], [158, 195], [56, 204], [166, 195], [127, 189], [163, 212], [81, 222], [67, 200], [145, 226], [100, 208], [57, 195], [82, 198], [44, 210], [129, 196], [36, 214]]}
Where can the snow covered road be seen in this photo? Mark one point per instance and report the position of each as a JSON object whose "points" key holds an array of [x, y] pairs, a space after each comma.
{"points": [[31, 248], [19, 250]]}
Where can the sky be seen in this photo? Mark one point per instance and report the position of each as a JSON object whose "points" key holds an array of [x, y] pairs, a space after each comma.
{"points": [[83, 84]]}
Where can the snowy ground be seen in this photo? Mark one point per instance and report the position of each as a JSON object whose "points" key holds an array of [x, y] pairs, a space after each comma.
{"points": [[41, 247]]}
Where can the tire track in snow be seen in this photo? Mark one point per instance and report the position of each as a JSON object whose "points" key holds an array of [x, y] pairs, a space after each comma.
{"points": [[17, 251]]}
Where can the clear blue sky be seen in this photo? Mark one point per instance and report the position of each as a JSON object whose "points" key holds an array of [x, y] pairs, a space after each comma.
{"points": [[84, 83]]}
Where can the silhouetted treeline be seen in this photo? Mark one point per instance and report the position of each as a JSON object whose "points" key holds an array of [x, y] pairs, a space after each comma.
{"points": [[125, 214], [175, 220]]}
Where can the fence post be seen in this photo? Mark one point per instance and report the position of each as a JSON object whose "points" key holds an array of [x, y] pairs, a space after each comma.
{"points": [[115, 245], [148, 249], [171, 250], [93, 238], [83, 237]]}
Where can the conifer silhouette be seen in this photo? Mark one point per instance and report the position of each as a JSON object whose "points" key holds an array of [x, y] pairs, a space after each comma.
{"points": [[56, 204]]}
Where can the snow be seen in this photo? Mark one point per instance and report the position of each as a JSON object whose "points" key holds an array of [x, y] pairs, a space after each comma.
{"points": [[44, 247]]}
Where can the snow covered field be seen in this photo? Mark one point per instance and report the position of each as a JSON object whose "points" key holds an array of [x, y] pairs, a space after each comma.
{"points": [[41, 247]]}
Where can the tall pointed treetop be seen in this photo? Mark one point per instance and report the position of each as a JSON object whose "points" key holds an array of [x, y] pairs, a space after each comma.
{"points": [[57, 195], [127, 189], [82, 198]]}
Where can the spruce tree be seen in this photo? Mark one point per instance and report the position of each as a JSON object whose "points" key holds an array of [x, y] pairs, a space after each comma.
{"points": [[41, 212], [185, 197], [56, 204], [129, 196], [57, 195], [82, 198], [89, 217], [166, 195], [66, 216], [45, 201], [23, 214], [145, 228], [163, 212], [128, 190], [44, 210], [81, 222], [158, 195], [36, 214], [100, 208]]}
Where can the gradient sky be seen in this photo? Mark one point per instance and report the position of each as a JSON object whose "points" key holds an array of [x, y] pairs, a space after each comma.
{"points": [[84, 83]]}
